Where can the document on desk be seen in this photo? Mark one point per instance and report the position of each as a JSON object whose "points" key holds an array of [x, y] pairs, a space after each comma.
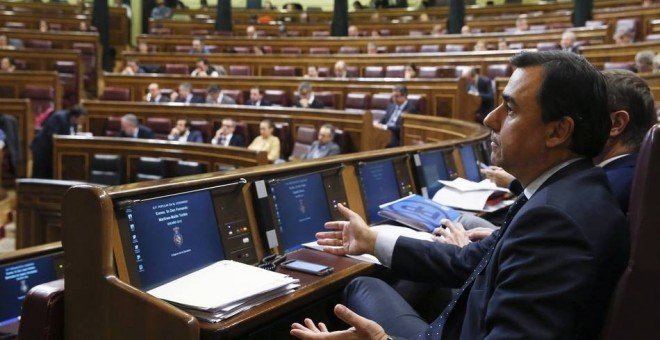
{"points": [[224, 289], [467, 195]]}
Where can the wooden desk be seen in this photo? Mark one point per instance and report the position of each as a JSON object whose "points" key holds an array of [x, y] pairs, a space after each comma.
{"points": [[31, 21]]}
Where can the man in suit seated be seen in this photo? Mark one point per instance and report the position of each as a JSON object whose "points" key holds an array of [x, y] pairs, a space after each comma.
{"points": [[550, 271], [215, 96], [479, 86], [198, 47], [204, 69], [185, 95], [63, 122], [567, 42], [307, 99], [324, 146], [182, 133], [394, 112], [131, 128], [154, 95], [257, 98], [225, 135], [340, 69]]}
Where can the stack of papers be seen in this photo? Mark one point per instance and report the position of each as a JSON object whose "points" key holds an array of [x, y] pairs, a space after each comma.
{"points": [[467, 195], [224, 289]]}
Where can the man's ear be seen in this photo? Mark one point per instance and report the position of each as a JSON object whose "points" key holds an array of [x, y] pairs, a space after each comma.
{"points": [[559, 132], [620, 120]]}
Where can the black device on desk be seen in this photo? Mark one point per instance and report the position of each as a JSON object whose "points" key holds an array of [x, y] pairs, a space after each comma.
{"points": [[383, 181], [294, 208], [17, 278], [307, 267], [434, 165], [169, 236], [471, 156]]}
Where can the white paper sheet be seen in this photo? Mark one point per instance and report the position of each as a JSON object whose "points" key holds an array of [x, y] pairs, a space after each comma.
{"points": [[466, 200]]}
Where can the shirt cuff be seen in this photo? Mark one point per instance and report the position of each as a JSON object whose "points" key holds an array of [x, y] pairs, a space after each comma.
{"points": [[385, 243]]}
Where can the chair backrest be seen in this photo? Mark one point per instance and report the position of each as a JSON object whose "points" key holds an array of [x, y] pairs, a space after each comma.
{"points": [[319, 50], [177, 69], [349, 50], [14, 24], [277, 97], [429, 48], [547, 46], [42, 316], [291, 50], [185, 168], [160, 126], [239, 70], [320, 34], [149, 169], [204, 127], [116, 93], [352, 71], [284, 71], [418, 101], [357, 101], [41, 97], [242, 49], [630, 66], [283, 132], [632, 311], [516, 46], [112, 126], [183, 48], [299, 149], [106, 169], [306, 135], [395, 71], [405, 49], [327, 98], [64, 66], [631, 24], [454, 48], [499, 70], [374, 72], [37, 43], [243, 131], [379, 101]]}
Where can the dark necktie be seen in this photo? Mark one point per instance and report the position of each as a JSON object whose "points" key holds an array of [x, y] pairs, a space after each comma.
{"points": [[435, 329]]}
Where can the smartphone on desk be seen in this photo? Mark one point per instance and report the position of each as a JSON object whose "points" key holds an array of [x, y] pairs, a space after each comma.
{"points": [[307, 267]]}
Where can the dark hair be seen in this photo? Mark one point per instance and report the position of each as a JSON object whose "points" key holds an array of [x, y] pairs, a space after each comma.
{"points": [[628, 92], [256, 88], [77, 111], [573, 88], [329, 127], [187, 120], [401, 89], [204, 61], [213, 88], [268, 123]]}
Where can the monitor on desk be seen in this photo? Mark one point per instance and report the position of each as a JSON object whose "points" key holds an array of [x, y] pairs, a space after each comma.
{"points": [[383, 181], [18, 277], [167, 237], [470, 164], [301, 205], [432, 166]]}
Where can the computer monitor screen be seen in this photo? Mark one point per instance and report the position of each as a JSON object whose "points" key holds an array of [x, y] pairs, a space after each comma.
{"points": [[433, 168], [172, 236], [379, 185], [20, 276], [301, 208], [470, 164]]}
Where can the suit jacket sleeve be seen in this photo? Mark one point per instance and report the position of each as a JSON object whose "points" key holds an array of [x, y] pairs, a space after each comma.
{"points": [[334, 150], [527, 302], [441, 263], [196, 136], [485, 89], [239, 141]]}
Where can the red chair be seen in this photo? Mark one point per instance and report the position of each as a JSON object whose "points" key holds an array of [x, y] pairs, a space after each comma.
{"points": [[204, 127], [327, 98], [349, 50], [516, 46], [199, 32], [499, 70], [418, 101], [41, 44], [284, 71], [277, 97], [459, 70], [653, 37], [429, 48], [415, 33], [357, 101], [454, 48], [291, 50], [199, 93], [243, 131], [319, 50], [242, 49], [42, 316], [395, 71], [405, 49], [160, 31], [239, 70], [374, 72], [88, 51], [183, 48], [160, 126], [15, 25], [177, 69], [237, 95], [324, 72], [630, 66], [634, 302], [352, 71], [41, 98], [537, 28], [384, 32], [547, 46], [379, 102], [304, 139], [116, 93], [113, 126]]}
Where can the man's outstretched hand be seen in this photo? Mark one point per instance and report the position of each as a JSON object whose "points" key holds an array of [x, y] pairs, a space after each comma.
{"points": [[361, 328], [352, 237]]}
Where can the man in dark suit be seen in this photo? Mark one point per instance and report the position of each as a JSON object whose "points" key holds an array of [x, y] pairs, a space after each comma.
{"points": [[550, 270], [567, 42], [394, 112], [154, 95], [479, 86], [324, 145], [62, 122], [257, 98], [225, 135], [131, 128], [185, 95], [307, 98], [182, 133]]}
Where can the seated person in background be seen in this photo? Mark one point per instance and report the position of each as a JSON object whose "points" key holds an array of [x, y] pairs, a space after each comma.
{"points": [[480, 45], [161, 11], [266, 141], [307, 99], [214, 95], [424, 17], [185, 95], [479, 86], [7, 65], [43, 26], [357, 6], [567, 42], [340, 69], [303, 18], [132, 68], [131, 128], [502, 44], [143, 47], [624, 36], [4, 43], [257, 98], [312, 72], [521, 24], [466, 29], [438, 30], [410, 72], [353, 31], [154, 95], [181, 132], [83, 26], [204, 69], [324, 146], [63, 122], [198, 47], [656, 63], [372, 48], [251, 32], [225, 135], [644, 61], [393, 113], [375, 33]]}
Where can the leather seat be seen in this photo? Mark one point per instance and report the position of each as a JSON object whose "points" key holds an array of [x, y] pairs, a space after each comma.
{"points": [[88, 51], [185, 168], [304, 138], [428, 72], [242, 49], [160, 126], [199, 32], [653, 37], [37, 43], [352, 71], [113, 126], [324, 71], [349, 50], [116, 93], [419, 101], [632, 313], [630, 66], [68, 74], [379, 102], [343, 139], [42, 316], [204, 127], [107, 169], [239, 70], [538, 28], [277, 97], [357, 101], [291, 50], [327, 98], [499, 70], [284, 71], [395, 71], [547, 46], [516, 46], [374, 72], [405, 49], [15, 25], [183, 48], [454, 48], [243, 131], [160, 31], [149, 169], [41, 97], [177, 69], [199, 93], [429, 48], [319, 50]]}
